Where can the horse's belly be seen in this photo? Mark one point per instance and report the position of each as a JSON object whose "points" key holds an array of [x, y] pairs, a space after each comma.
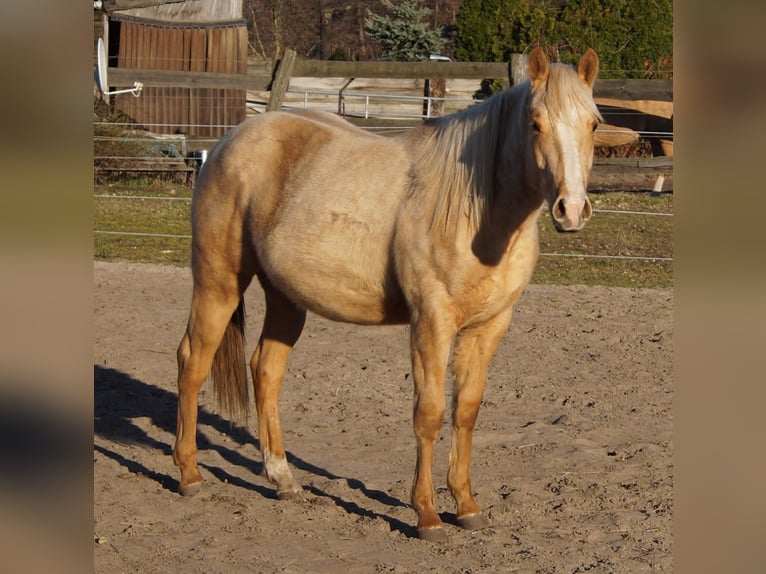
{"points": [[345, 277], [339, 294]]}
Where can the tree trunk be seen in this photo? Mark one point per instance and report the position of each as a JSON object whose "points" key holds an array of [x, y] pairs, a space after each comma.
{"points": [[276, 19], [325, 31]]}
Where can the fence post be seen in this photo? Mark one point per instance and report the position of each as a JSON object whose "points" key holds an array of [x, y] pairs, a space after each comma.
{"points": [[341, 98], [517, 69], [281, 81], [434, 91]]}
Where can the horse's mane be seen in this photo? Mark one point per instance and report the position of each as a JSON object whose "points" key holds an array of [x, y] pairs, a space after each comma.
{"points": [[455, 167]]}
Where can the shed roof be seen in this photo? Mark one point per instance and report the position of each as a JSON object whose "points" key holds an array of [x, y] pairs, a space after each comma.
{"points": [[176, 11]]}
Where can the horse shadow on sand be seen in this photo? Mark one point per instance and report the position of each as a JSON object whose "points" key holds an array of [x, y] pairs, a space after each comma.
{"points": [[119, 398]]}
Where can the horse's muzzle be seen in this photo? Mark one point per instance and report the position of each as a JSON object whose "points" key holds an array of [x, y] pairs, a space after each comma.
{"points": [[571, 215]]}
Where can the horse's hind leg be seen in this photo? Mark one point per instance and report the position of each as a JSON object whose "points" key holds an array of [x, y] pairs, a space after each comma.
{"points": [[282, 326], [474, 348], [211, 310]]}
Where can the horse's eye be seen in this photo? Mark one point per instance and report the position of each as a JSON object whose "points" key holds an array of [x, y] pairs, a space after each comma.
{"points": [[536, 127], [595, 126]]}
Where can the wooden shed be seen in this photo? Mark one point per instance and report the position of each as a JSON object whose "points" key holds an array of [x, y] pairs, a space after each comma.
{"points": [[186, 35]]}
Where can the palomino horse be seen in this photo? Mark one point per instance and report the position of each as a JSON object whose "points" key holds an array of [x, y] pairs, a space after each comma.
{"points": [[436, 228]]}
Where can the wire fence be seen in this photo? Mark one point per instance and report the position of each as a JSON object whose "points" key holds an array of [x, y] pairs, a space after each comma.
{"points": [[128, 233]]}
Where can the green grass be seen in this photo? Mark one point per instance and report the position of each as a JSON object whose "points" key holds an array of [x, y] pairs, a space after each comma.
{"points": [[125, 211], [612, 234], [606, 234]]}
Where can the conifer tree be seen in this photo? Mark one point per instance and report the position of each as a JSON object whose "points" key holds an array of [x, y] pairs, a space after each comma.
{"points": [[404, 35]]}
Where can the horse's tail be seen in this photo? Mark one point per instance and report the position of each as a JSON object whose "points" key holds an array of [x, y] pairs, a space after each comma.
{"points": [[229, 371]]}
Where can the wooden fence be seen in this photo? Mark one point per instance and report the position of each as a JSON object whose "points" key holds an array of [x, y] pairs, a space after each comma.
{"points": [[273, 78]]}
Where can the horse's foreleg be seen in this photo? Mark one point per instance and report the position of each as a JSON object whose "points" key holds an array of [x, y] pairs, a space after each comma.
{"points": [[282, 326], [474, 348], [430, 350], [207, 322]]}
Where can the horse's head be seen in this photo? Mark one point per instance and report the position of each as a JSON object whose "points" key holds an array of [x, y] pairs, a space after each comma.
{"points": [[562, 118]]}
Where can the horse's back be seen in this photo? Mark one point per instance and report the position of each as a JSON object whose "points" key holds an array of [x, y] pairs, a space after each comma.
{"points": [[317, 201]]}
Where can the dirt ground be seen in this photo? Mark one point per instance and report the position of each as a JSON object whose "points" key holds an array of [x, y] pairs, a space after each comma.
{"points": [[572, 452]]}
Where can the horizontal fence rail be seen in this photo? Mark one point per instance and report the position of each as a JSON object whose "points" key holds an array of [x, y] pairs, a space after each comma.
{"points": [[346, 107], [260, 76]]}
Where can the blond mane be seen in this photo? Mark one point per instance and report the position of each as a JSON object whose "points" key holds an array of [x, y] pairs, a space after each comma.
{"points": [[455, 166]]}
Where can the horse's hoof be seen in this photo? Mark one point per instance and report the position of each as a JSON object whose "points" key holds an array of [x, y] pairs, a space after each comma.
{"points": [[292, 495], [436, 534], [191, 489], [473, 521]]}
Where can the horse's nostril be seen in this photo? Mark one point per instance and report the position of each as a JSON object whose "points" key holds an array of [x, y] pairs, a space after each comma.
{"points": [[559, 211], [587, 210]]}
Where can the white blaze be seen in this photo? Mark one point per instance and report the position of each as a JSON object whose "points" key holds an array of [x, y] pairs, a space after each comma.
{"points": [[573, 176]]}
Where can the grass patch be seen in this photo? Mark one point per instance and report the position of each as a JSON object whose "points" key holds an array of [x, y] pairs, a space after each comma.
{"points": [[620, 236], [127, 209], [158, 210]]}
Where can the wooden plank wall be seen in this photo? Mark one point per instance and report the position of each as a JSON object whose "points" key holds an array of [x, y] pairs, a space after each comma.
{"points": [[199, 112]]}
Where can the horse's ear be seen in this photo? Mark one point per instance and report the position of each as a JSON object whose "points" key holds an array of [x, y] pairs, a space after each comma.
{"points": [[537, 66], [587, 68]]}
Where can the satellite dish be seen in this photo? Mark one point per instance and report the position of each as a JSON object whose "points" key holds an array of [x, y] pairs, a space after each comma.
{"points": [[101, 78], [101, 74]]}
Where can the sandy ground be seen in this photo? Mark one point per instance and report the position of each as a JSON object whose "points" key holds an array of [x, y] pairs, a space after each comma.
{"points": [[572, 453]]}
